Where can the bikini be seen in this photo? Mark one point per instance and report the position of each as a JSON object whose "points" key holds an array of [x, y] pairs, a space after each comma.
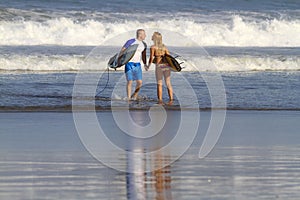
{"points": [[163, 66]]}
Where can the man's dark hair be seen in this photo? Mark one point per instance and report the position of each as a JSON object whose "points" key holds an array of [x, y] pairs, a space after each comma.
{"points": [[138, 31]]}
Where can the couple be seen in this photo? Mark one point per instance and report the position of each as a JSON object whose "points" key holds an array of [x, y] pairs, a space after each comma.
{"points": [[133, 68]]}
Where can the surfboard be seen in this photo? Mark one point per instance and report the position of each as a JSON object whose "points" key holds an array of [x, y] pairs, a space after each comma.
{"points": [[118, 61], [173, 63]]}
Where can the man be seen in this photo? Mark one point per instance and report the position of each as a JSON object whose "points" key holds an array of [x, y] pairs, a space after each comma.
{"points": [[133, 68]]}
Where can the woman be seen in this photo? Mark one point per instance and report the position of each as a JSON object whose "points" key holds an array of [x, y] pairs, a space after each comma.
{"points": [[162, 69]]}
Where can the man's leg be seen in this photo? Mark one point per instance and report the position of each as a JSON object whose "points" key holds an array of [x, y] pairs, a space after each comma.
{"points": [[137, 89], [128, 89], [137, 73]]}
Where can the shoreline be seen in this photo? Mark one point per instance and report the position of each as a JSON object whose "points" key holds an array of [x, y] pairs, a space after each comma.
{"points": [[67, 109], [121, 69]]}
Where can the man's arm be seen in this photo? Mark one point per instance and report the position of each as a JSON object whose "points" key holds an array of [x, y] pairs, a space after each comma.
{"points": [[144, 57], [125, 46], [120, 54], [122, 51]]}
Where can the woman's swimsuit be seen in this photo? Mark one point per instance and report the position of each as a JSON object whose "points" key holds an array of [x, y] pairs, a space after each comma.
{"points": [[163, 66]]}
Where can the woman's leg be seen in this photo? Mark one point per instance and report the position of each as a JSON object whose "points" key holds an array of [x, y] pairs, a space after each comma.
{"points": [[167, 76], [159, 75]]}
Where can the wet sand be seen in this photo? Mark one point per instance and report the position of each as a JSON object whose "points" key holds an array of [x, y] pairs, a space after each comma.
{"points": [[256, 157]]}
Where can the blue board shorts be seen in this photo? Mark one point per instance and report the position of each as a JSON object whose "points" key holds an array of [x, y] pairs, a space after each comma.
{"points": [[133, 71]]}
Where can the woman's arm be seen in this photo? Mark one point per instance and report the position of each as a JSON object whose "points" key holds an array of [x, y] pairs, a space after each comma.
{"points": [[167, 51], [152, 50]]}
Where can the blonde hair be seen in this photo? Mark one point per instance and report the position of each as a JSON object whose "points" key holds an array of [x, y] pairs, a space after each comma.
{"points": [[157, 39]]}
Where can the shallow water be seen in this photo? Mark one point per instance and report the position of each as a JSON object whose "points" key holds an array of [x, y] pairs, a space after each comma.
{"points": [[54, 91]]}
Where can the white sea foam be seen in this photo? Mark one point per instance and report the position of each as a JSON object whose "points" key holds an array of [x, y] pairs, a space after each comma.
{"points": [[247, 63], [237, 32], [218, 63], [40, 63]]}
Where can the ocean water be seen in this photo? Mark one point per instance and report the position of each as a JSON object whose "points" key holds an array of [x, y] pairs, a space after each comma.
{"points": [[243, 91], [252, 49], [239, 35]]}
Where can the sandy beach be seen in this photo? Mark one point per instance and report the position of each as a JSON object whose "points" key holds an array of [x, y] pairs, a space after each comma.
{"points": [[256, 157]]}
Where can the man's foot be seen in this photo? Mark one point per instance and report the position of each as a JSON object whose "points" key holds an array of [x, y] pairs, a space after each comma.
{"points": [[127, 99], [134, 96]]}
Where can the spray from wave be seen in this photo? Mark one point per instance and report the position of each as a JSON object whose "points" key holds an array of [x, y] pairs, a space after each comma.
{"points": [[237, 32]]}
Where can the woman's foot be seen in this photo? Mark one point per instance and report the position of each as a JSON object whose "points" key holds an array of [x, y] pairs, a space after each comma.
{"points": [[170, 102], [160, 102]]}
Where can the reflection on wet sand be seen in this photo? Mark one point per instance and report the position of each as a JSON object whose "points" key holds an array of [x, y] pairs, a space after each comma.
{"points": [[153, 185], [135, 176], [162, 178], [148, 159]]}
